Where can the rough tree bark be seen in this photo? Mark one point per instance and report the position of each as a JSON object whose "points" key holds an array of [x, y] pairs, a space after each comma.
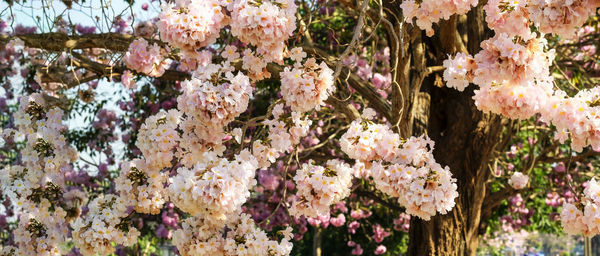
{"points": [[465, 137]]}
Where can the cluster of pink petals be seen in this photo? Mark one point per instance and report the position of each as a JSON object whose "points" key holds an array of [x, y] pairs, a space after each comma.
{"points": [[583, 217], [509, 17], [457, 73], [307, 86], [576, 117], [158, 137], [266, 24], [560, 17], [239, 236], [407, 171], [367, 141], [285, 132], [319, 187], [428, 12], [213, 98], [518, 180], [215, 187], [142, 186], [191, 24], [513, 75], [504, 60], [420, 184], [145, 58]]}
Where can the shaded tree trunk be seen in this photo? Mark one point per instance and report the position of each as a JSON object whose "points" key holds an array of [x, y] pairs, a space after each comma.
{"points": [[465, 137]]}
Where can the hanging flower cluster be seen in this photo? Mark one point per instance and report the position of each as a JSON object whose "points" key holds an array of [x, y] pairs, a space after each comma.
{"points": [[192, 24], [105, 223], [158, 137], [36, 187], [142, 186], [266, 24], [213, 98], [240, 237], [215, 188], [367, 141], [307, 85], [320, 187], [405, 170], [583, 217], [518, 180], [145, 58], [420, 184], [428, 12]]}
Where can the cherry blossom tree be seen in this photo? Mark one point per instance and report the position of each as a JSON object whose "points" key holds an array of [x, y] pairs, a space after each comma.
{"points": [[246, 121]]}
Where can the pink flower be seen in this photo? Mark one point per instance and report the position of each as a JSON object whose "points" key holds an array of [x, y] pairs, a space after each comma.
{"points": [[380, 250], [145, 58], [357, 250], [353, 226], [379, 233], [338, 221], [518, 180], [127, 80]]}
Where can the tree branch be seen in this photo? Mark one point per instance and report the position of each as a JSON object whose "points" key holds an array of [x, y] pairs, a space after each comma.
{"points": [[60, 42]]}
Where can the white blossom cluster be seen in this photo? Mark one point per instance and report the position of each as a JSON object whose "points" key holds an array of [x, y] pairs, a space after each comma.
{"points": [[142, 186], [367, 141], [307, 85], [241, 238], [215, 187], [104, 224], [35, 188], [319, 187], [157, 138], [405, 170], [40, 231]]}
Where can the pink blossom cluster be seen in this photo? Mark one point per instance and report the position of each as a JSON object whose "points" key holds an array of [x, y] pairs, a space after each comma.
{"points": [[518, 180], [94, 233], [428, 12], [256, 65], [518, 215], [40, 231], [142, 186], [215, 188], [319, 187], [583, 217], [420, 184], [158, 137], [286, 131], [266, 24], [367, 141], [458, 72], [35, 187], [577, 118], [239, 237], [213, 98], [407, 171], [508, 17], [307, 86], [513, 75], [145, 58], [192, 24], [560, 17]]}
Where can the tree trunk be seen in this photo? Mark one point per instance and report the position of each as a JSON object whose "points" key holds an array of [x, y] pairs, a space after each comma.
{"points": [[464, 136], [465, 139]]}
